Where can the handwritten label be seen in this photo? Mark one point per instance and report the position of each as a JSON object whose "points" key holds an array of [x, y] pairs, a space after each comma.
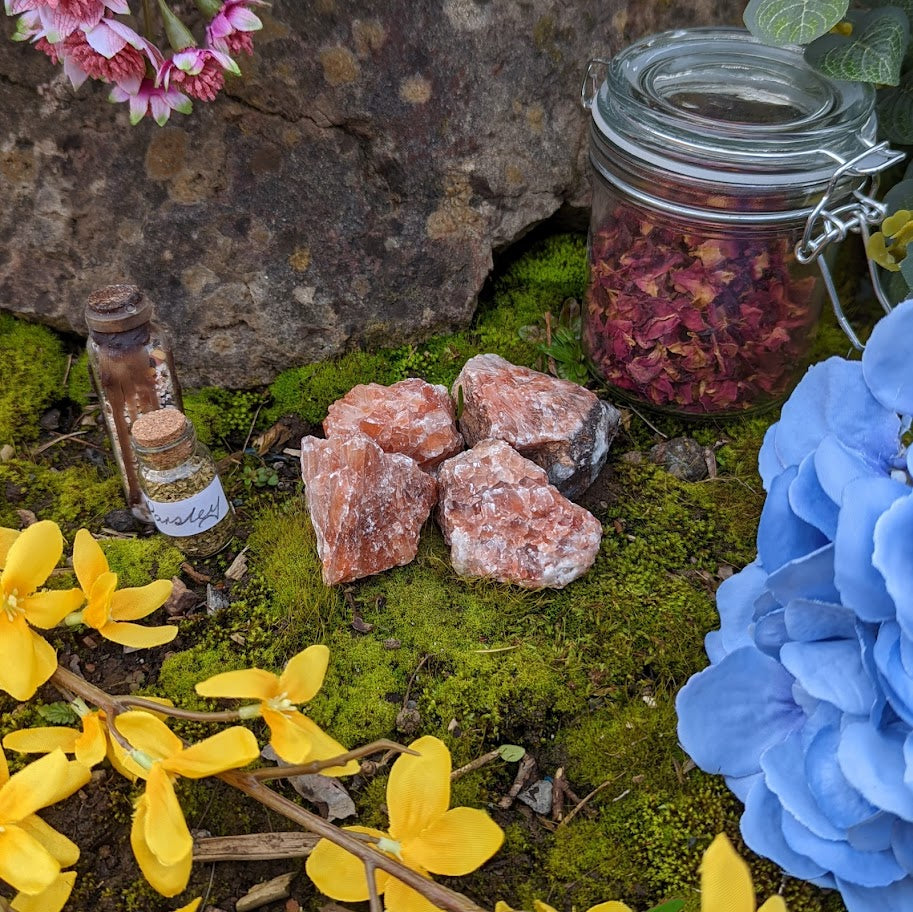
{"points": [[191, 516]]}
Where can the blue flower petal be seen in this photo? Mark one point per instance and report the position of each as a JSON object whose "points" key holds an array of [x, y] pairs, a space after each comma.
{"points": [[735, 598], [861, 585], [740, 786], [810, 577], [893, 556], [898, 897], [730, 713], [784, 773], [824, 715], [906, 654], [769, 464], [874, 835], [886, 365], [808, 620], [868, 869], [762, 830], [837, 465], [770, 632], [873, 763], [867, 634], [902, 844], [895, 683], [831, 670], [782, 535], [809, 501], [838, 800]]}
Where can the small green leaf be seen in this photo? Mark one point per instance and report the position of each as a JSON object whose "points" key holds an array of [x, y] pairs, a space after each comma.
{"points": [[783, 22], [460, 402], [895, 112], [897, 287], [900, 196], [906, 266], [511, 752], [57, 713], [674, 905], [872, 53]]}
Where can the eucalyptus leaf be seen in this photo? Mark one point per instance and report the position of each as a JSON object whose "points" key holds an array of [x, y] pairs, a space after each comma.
{"points": [[906, 267], [900, 196], [57, 713], [894, 107], [784, 22], [873, 52], [897, 288], [511, 752]]}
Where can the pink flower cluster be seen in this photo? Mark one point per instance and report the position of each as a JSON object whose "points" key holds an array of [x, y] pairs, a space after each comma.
{"points": [[91, 42]]}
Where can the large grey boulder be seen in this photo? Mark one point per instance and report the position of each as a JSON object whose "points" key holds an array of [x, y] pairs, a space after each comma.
{"points": [[350, 189]]}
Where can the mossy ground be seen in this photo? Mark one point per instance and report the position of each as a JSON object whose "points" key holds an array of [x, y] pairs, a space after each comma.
{"points": [[583, 678]]}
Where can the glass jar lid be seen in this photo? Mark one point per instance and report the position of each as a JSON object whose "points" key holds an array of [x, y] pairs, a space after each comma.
{"points": [[718, 108]]}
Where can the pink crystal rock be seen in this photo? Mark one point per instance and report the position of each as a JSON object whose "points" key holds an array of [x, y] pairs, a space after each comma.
{"points": [[502, 519], [367, 506], [410, 417], [558, 424]]}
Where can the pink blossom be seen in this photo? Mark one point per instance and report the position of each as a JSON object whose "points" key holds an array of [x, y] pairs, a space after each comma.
{"points": [[149, 98], [199, 72], [61, 18], [110, 51], [230, 28]]}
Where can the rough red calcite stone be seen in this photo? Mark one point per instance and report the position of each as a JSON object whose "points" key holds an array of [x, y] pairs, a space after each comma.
{"points": [[367, 506], [558, 424], [410, 417], [502, 519]]}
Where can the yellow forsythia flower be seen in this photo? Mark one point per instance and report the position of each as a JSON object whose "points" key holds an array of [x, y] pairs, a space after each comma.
{"points": [[7, 537], [192, 906], [108, 609], [26, 659], [161, 841], [539, 906], [294, 737], [888, 247], [424, 834], [31, 852]]}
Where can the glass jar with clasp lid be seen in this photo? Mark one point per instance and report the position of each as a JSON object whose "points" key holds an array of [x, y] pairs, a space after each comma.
{"points": [[722, 171]]}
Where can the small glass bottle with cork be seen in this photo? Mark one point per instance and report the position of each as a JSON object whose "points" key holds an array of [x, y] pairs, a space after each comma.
{"points": [[183, 492], [133, 370]]}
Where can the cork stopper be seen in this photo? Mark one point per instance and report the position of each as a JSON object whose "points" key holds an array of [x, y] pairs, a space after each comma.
{"points": [[159, 428], [116, 308]]}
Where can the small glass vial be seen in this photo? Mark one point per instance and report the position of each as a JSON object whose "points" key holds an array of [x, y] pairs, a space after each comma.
{"points": [[709, 154], [133, 370], [182, 489]]}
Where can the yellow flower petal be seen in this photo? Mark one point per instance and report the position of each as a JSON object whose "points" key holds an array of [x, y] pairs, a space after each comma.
{"points": [[895, 222], [400, 898], [501, 906], [166, 831], [42, 740], [133, 604], [26, 659], [34, 787], [53, 899], [458, 842], [31, 558], [298, 739], [539, 906], [25, 864], [227, 749], [4, 769], [303, 675], [60, 848], [610, 907], [47, 609], [725, 879], [876, 249], [136, 636], [97, 612], [339, 874], [418, 791], [192, 906], [774, 904], [169, 880], [147, 733], [246, 684], [89, 561], [92, 744], [7, 537]]}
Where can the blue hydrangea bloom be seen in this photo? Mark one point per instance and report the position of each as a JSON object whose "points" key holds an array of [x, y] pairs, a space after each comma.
{"points": [[807, 705]]}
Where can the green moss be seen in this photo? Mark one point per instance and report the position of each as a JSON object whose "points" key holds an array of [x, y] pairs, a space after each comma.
{"points": [[79, 383], [221, 416], [33, 372], [73, 497], [138, 561]]}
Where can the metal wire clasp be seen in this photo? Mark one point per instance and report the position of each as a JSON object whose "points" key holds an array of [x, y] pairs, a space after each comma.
{"points": [[826, 223], [592, 80]]}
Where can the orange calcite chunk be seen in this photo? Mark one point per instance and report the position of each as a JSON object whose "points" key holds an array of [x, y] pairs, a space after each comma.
{"points": [[410, 417], [367, 506], [503, 520]]}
